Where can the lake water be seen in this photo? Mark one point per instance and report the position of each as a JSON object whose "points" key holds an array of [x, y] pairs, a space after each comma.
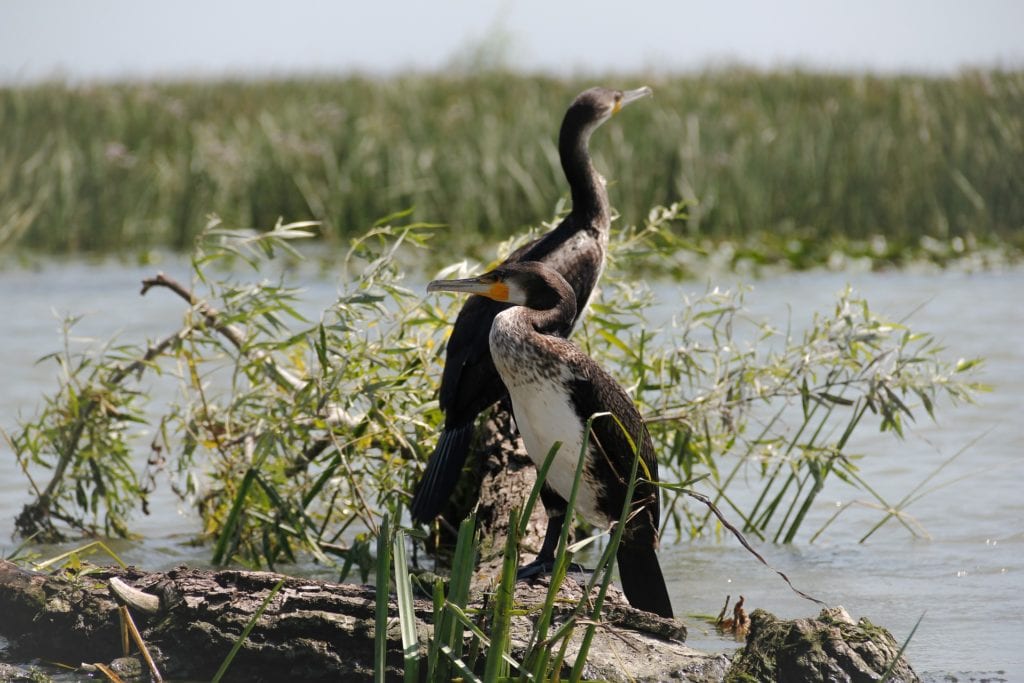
{"points": [[967, 580]]}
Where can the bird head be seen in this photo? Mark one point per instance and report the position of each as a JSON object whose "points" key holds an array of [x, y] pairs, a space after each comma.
{"points": [[600, 104], [529, 283]]}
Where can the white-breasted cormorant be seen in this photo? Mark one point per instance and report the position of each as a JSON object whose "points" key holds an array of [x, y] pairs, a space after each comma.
{"points": [[555, 387], [576, 249]]}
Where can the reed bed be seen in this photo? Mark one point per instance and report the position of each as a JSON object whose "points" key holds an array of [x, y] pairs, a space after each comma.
{"points": [[785, 166]]}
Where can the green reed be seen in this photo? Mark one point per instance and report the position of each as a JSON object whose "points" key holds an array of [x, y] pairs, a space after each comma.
{"points": [[787, 166]]}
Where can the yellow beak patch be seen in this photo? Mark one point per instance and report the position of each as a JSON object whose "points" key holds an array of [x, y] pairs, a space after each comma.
{"points": [[498, 291]]}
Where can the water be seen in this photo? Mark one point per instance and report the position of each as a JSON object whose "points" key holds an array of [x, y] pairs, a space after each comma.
{"points": [[967, 580]]}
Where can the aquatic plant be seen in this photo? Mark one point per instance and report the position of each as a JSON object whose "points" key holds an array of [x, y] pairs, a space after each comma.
{"points": [[293, 436]]}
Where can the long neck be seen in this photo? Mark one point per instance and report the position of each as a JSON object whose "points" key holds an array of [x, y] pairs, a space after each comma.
{"points": [[554, 321], [524, 344], [589, 198], [520, 332]]}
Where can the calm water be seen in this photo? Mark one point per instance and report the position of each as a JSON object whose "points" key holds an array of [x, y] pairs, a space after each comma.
{"points": [[967, 580]]}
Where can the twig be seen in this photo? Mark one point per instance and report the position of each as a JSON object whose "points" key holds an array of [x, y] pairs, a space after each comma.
{"points": [[743, 541], [108, 672], [40, 508], [140, 600], [286, 380], [211, 315], [137, 637]]}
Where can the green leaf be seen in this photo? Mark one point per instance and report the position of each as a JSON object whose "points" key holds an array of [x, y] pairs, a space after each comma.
{"points": [[383, 596], [406, 611]]}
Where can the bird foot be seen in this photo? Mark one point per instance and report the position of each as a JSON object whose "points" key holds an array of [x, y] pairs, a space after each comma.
{"points": [[544, 566]]}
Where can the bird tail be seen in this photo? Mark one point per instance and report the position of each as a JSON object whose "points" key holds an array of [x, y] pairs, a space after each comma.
{"points": [[642, 580], [442, 473]]}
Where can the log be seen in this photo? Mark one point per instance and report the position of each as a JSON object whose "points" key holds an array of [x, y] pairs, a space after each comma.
{"points": [[310, 631], [313, 630], [499, 477], [506, 476]]}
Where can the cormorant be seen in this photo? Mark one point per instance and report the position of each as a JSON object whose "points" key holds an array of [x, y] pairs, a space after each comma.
{"points": [[555, 387], [576, 249]]}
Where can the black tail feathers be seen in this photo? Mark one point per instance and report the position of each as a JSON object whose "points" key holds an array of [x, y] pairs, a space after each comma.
{"points": [[442, 473], [642, 580]]}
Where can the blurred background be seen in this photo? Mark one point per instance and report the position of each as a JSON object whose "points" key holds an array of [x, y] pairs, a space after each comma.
{"points": [[878, 144], [798, 128]]}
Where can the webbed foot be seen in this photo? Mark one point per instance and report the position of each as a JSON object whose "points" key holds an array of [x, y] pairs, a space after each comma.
{"points": [[542, 566]]}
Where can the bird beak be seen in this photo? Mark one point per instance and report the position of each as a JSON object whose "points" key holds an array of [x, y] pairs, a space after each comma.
{"points": [[492, 289], [632, 96]]}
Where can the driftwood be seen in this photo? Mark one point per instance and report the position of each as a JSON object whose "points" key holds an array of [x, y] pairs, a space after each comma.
{"points": [[310, 631], [313, 630]]}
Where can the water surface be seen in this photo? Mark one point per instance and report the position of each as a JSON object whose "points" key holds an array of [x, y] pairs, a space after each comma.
{"points": [[967, 579]]}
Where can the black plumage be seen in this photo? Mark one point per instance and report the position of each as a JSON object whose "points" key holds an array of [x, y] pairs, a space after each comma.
{"points": [[575, 248], [555, 387]]}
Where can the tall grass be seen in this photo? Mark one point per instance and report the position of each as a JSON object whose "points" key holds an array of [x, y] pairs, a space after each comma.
{"points": [[781, 163]]}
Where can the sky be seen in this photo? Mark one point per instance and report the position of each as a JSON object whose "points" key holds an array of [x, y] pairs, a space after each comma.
{"points": [[86, 40]]}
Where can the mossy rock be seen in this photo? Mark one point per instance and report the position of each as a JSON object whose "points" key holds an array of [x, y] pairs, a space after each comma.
{"points": [[831, 647]]}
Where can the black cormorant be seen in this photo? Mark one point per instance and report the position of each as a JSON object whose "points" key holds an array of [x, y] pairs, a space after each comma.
{"points": [[555, 387], [576, 249]]}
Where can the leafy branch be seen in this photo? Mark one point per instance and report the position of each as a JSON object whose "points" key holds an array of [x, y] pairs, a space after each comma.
{"points": [[292, 436]]}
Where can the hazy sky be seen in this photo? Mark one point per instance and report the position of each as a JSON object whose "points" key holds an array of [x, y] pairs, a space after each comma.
{"points": [[88, 39]]}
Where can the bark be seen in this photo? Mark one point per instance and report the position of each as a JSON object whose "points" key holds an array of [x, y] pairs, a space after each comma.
{"points": [[506, 476], [314, 631], [310, 631]]}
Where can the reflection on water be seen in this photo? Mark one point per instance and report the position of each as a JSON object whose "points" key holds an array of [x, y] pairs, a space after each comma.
{"points": [[967, 581]]}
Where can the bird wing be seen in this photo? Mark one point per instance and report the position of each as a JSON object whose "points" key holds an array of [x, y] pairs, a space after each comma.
{"points": [[580, 262], [470, 382], [595, 391]]}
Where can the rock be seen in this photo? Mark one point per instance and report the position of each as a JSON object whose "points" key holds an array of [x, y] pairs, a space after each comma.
{"points": [[831, 647]]}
